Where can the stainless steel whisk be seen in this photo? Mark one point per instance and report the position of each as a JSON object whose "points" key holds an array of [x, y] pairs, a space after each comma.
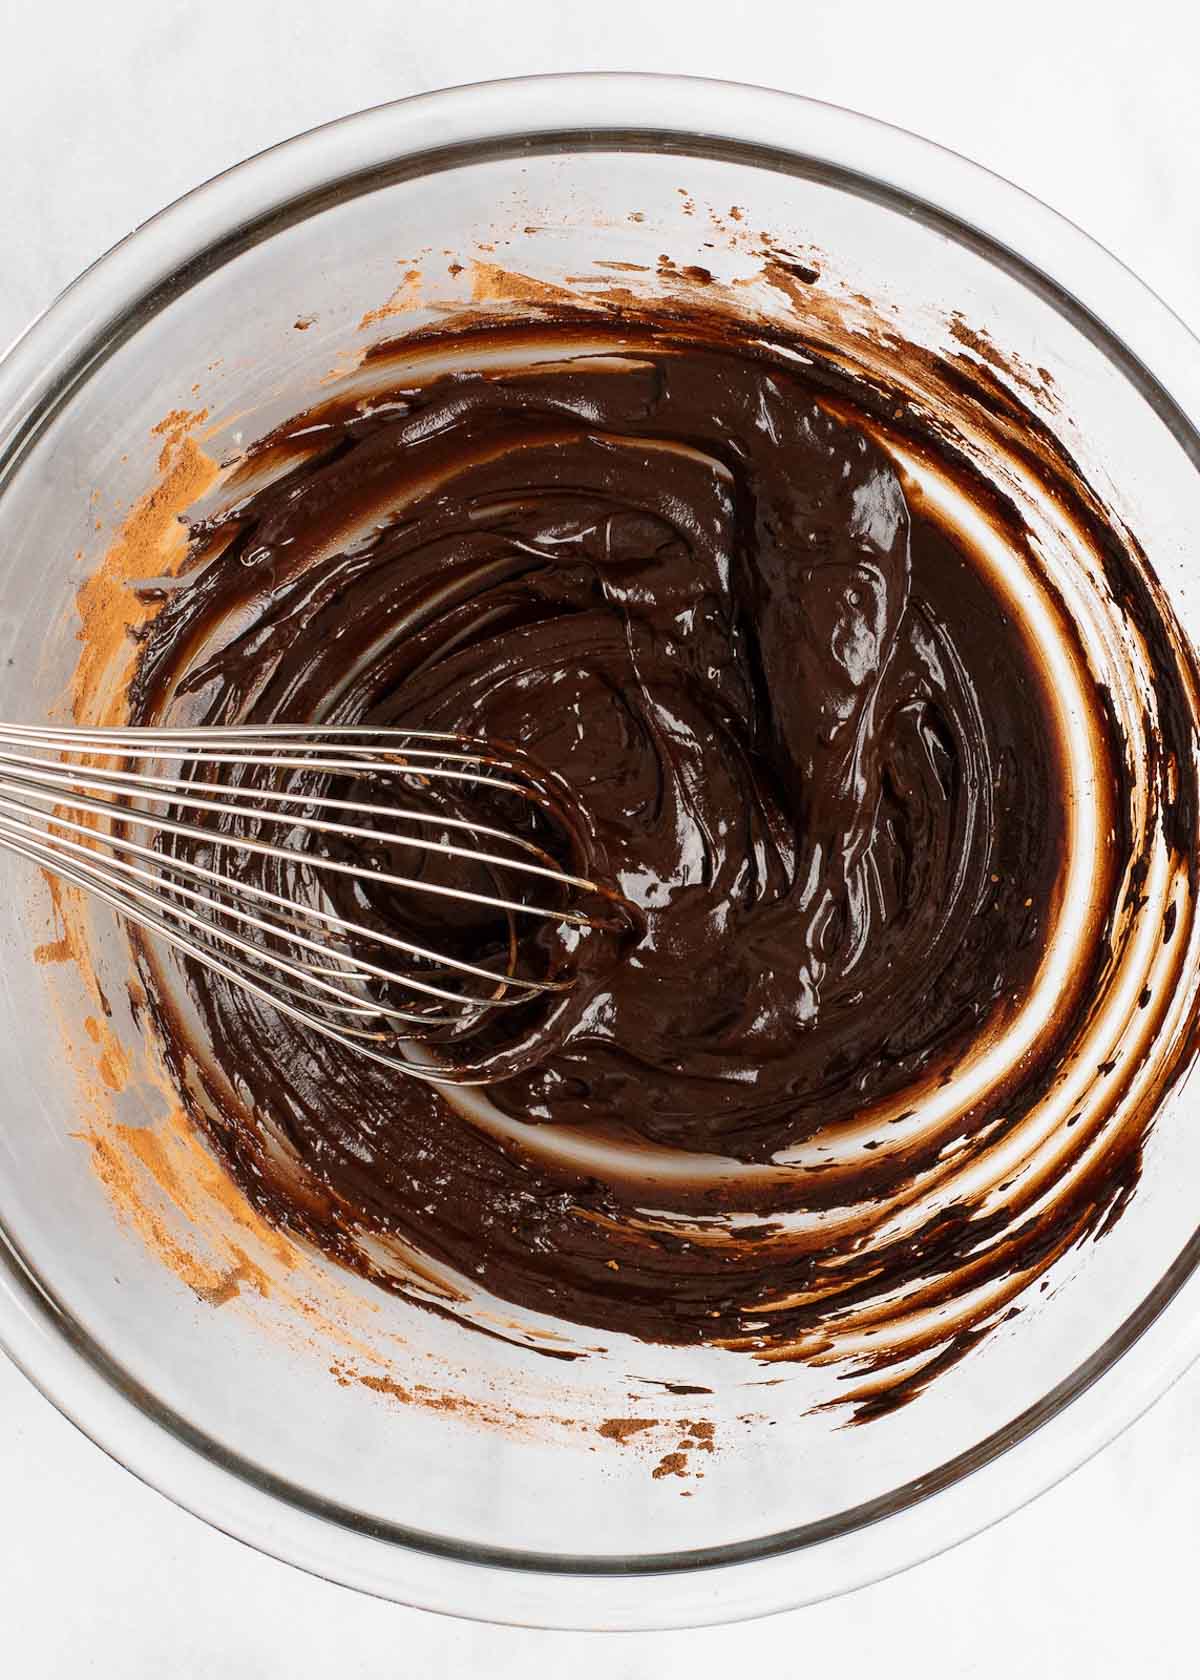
{"points": [[90, 806]]}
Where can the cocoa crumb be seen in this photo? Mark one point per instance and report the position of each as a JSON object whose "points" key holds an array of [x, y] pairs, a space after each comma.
{"points": [[620, 1429]]}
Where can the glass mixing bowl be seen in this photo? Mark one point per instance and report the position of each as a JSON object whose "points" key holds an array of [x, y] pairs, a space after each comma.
{"points": [[345, 1431]]}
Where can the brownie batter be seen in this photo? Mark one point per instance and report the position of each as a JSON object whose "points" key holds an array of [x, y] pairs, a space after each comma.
{"points": [[808, 742]]}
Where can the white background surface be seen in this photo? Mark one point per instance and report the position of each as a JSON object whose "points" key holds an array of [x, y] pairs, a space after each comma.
{"points": [[107, 112]]}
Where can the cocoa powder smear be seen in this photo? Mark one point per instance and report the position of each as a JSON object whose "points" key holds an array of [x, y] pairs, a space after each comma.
{"points": [[886, 1029]]}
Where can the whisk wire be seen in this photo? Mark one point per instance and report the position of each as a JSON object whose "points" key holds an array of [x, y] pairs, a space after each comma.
{"points": [[49, 787], [166, 866], [61, 808]]}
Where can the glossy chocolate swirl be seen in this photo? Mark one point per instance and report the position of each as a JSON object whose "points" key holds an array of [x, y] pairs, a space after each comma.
{"points": [[892, 859]]}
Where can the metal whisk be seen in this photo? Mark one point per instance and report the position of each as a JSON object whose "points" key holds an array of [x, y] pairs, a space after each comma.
{"points": [[166, 825]]}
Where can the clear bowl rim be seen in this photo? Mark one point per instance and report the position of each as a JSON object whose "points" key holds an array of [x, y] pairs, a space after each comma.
{"points": [[1155, 352]]}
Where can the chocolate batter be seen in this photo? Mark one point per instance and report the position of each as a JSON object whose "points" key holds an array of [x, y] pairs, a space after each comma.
{"points": [[812, 746]]}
